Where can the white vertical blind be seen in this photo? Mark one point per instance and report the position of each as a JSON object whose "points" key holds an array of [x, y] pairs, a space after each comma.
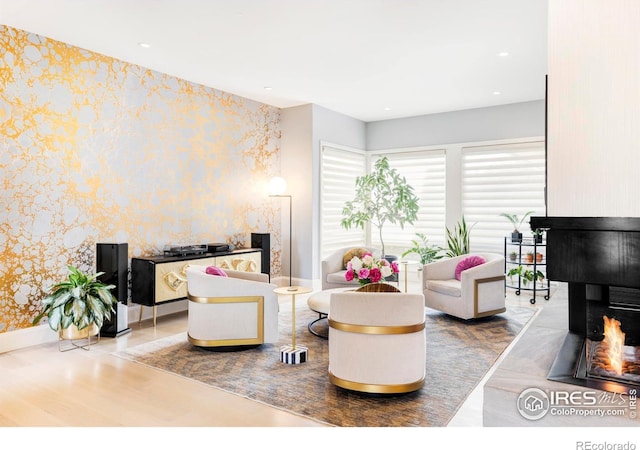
{"points": [[339, 169], [425, 171], [508, 178]]}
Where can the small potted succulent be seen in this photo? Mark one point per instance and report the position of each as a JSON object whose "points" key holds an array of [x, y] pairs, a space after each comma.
{"points": [[537, 236], [77, 307], [529, 257], [513, 255]]}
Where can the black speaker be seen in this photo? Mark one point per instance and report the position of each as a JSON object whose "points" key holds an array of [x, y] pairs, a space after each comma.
{"points": [[263, 241], [113, 260]]}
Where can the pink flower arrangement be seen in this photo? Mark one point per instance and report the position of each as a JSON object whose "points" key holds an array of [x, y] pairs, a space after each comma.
{"points": [[369, 269]]}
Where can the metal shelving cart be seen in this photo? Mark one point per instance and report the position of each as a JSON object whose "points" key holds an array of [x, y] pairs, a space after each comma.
{"points": [[516, 254]]}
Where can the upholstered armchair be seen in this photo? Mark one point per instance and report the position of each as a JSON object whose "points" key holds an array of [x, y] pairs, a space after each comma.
{"points": [[238, 309], [333, 268], [377, 341], [479, 292]]}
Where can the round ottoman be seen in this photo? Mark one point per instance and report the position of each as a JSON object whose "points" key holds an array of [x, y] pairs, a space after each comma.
{"points": [[319, 302]]}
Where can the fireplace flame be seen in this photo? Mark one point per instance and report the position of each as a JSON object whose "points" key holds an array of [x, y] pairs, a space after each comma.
{"points": [[614, 344]]}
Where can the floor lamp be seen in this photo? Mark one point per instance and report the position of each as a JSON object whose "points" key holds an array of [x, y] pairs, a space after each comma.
{"points": [[277, 187], [289, 354]]}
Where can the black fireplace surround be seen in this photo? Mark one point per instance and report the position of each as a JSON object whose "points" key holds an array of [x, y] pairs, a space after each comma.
{"points": [[599, 259]]}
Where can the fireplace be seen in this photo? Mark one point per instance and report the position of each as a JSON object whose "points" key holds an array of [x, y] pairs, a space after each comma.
{"points": [[599, 259]]}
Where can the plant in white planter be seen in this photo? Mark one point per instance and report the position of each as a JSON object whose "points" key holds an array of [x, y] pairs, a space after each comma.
{"points": [[382, 196]]}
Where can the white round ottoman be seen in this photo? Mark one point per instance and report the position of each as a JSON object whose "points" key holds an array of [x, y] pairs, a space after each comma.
{"points": [[319, 302]]}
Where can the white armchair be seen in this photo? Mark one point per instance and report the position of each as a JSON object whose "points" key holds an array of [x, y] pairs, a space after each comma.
{"points": [[377, 341], [240, 309], [479, 293], [333, 269]]}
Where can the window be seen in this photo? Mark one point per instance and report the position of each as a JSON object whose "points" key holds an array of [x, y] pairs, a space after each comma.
{"points": [[339, 169], [501, 178], [425, 172]]}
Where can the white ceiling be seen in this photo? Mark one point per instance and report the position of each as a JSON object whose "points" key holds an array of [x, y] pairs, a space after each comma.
{"points": [[368, 59]]}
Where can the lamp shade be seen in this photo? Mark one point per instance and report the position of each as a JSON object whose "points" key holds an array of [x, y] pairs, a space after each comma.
{"points": [[277, 186]]}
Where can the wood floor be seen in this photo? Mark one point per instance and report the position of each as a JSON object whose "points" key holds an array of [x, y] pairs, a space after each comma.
{"points": [[43, 387]]}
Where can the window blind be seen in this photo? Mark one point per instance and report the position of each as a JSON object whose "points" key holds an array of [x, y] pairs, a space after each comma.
{"points": [[425, 171], [339, 169], [506, 178]]}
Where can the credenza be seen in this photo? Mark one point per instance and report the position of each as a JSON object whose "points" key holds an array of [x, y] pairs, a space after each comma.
{"points": [[157, 280]]}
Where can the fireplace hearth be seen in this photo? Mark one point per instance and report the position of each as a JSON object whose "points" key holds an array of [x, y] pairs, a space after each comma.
{"points": [[599, 258]]}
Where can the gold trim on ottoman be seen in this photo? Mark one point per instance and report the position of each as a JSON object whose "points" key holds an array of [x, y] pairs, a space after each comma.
{"points": [[259, 300], [376, 388], [375, 329]]}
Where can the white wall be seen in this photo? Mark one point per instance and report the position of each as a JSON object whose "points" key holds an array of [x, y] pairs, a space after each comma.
{"points": [[516, 120], [303, 128], [594, 108], [297, 169]]}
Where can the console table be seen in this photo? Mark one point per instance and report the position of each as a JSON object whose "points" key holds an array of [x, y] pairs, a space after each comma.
{"points": [[162, 279]]}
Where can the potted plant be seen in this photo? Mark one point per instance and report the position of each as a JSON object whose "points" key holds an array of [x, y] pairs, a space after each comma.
{"points": [[77, 307], [516, 235], [537, 236], [382, 196], [427, 253], [526, 275], [539, 257], [513, 255], [458, 239], [529, 257]]}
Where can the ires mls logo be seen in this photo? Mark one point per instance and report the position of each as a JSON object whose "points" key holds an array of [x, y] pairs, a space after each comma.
{"points": [[533, 404]]}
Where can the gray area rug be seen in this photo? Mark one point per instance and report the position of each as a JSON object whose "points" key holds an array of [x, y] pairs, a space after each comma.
{"points": [[459, 354]]}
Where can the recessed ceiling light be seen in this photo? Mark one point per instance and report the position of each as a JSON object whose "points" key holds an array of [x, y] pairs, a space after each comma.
{"points": [[496, 92], [144, 44], [387, 109], [267, 88], [503, 54]]}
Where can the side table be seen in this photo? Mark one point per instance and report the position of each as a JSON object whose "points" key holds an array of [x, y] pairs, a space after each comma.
{"points": [[405, 268], [292, 354]]}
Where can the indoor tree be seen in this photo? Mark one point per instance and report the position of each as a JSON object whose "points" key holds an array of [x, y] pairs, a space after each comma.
{"points": [[382, 196]]}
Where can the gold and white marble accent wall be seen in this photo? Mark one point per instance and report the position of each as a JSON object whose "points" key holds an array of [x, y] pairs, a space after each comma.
{"points": [[93, 149]]}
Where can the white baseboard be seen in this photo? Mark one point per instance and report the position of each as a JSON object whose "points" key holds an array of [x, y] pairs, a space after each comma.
{"points": [[26, 337]]}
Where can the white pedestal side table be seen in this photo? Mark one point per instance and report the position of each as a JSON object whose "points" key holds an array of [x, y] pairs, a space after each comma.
{"points": [[292, 354]]}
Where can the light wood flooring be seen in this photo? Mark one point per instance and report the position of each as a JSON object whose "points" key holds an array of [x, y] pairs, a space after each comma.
{"points": [[42, 387]]}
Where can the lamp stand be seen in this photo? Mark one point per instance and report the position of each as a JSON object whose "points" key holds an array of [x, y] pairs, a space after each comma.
{"points": [[290, 234]]}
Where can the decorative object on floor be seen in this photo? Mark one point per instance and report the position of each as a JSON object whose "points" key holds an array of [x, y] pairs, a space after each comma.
{"points": [[377, 341], [369, 269], [236, 310], [292, 354], [480, 291], [381, 196], [333, 267], [277, 188], [81, 303], [458, 355]]}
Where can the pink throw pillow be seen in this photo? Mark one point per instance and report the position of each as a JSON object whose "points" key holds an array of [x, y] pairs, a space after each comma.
{"points": [[213, 270], [468, 263]]}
